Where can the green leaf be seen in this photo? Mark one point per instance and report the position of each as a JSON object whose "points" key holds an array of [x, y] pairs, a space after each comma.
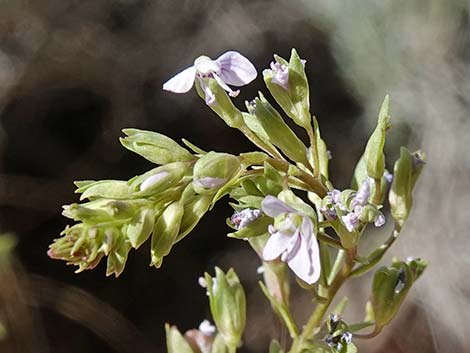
{"points": [[175, 342], [275, 347], [373, 154], [278, 132]]}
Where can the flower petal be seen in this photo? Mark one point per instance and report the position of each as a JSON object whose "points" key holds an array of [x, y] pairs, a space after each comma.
{"points": [[275, 245], [181, 82], [209, 96], [273, 207], [306, 262], [235, 69], [222, 84]]}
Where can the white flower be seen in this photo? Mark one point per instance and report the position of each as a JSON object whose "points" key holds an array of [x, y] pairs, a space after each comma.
{"points": [[206, 328], [231, 68], [293, 239]]}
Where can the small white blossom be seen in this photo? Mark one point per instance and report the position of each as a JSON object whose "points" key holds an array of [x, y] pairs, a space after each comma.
{"points": [[206, 328], [231, 68]]}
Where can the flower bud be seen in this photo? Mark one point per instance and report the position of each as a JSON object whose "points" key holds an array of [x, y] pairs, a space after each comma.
{"points": [[278, 132], [165, 232], [155, 147], [288, 85], [159, 179], [213, 170], [373, 154], [228, 305]]}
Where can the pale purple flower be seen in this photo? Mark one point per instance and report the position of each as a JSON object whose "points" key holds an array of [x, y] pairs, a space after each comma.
{"points": [[206, 328], [334, 196], [292, 239], [379, 220], [388, 177], [231, 68], [351, 220], [280, 74], [362, 196], [244, 217]]}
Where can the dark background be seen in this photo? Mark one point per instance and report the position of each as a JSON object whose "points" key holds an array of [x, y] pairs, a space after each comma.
{"points": [[74, 73]]}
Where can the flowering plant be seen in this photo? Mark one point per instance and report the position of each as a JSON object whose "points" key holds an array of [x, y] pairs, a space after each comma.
{"points": [[285, 207]]}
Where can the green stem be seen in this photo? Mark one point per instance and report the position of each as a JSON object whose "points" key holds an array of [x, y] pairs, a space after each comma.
{"points": [[259, 143], [378, 191], [314, 151], [314, 323], [314, 183]]}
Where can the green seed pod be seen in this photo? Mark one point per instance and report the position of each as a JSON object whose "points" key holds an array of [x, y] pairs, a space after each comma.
{"points": [[228, 305]]}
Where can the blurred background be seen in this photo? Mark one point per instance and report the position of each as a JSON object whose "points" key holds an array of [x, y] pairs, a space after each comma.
{"points": [[74, 73]]}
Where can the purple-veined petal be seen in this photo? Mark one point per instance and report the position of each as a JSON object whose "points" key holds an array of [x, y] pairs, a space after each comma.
{"points": [[292, 247], [222, 84], [273, 207], [306, 229], [181, 82], [275, 246], [235, 69], [306, 262]]}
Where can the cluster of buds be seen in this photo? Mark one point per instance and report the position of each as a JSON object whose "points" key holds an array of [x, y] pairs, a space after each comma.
{"points": [[289, 234]]}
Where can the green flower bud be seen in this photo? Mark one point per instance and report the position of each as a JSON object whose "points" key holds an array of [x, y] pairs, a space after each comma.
{"points": [[288, 85], [160, 179], [373, 154], [390, 287], [278, 132], [117, 257], [214, 170], [140, 227], [175, 342], [405, 173], [223, 105], [155, 147], [165, 232], [228, 305]]}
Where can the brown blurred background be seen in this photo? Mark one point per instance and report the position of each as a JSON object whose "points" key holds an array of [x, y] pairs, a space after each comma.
{"points": [[74, 73]]}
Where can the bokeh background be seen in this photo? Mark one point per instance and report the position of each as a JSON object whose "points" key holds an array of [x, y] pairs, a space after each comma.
{"points": [[73, 73]]}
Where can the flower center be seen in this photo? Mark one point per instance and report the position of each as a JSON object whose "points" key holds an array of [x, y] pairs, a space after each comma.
{"points": [[205, 66]]}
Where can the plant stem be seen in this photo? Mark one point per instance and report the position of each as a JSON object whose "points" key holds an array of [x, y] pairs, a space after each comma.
{"points": [[314, 323], [314, 151]]}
